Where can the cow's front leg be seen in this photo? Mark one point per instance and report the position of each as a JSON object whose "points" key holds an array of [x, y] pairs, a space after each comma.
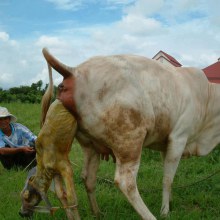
{"points": [[67, 175], [171, 161], [91, 165]]}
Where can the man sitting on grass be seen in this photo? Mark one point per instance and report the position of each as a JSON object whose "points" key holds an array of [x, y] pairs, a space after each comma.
{"points": [[16, 142]]}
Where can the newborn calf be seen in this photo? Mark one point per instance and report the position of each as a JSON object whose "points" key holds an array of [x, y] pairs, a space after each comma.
{"points": [[53, 146]]}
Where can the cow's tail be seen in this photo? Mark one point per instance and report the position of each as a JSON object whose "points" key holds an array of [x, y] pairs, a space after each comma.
{"points": [[46, 100], [61, 68]]}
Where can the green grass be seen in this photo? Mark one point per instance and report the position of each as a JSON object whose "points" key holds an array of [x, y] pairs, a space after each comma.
{"points": [[190, 202]]}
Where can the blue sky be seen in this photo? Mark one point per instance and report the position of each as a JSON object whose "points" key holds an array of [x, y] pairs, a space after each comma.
{"points": [[31, 17], [75, 30]]}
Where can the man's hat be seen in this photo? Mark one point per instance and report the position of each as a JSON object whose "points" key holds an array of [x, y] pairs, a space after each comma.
{"points": [[5, 113]]}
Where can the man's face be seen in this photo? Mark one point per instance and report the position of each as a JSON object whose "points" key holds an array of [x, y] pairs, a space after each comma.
{"points": [[4, 122]]}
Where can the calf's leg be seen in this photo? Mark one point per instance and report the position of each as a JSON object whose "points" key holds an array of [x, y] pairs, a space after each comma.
{"points": [[67, 175], [61, 194]]}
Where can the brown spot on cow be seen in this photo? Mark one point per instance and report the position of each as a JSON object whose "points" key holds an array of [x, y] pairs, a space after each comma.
{"points": [[135, 117], [125, 130], [162, 125], [102, 92]]}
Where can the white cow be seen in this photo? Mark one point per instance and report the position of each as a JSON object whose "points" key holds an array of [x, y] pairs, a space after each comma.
{"points": [[125, 103]]}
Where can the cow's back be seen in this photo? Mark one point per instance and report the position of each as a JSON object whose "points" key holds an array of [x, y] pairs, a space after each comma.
{"points": [[158, 93]]}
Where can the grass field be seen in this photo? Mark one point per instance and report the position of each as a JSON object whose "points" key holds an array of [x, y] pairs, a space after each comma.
{"points": [[192, 199]]}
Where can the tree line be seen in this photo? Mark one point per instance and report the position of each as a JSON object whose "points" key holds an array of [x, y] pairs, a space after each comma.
{"points": [[24, 94]]}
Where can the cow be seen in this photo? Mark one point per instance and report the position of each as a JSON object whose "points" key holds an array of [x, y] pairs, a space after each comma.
{"points": [[53, 145], [124, 103]]}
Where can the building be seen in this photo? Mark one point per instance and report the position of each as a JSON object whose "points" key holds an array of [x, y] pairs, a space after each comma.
{"points": [[166, 59], [213, 72]]}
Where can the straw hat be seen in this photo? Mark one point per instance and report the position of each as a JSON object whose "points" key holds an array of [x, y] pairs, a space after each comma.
{"points": [[5, 113]]}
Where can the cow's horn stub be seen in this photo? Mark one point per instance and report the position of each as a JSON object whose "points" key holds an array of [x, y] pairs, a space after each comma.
{"points": [[61, 68]]}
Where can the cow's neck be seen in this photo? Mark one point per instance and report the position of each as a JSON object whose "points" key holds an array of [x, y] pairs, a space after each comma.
{"points": [[214, 111], [209, 135], [215, 101]]}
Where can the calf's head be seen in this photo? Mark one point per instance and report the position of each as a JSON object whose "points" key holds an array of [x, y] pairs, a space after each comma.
{"points": [[30, 197]]}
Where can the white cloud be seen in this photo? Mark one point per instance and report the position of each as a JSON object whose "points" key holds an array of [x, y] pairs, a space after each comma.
{"points": [[145, 28], [23, 63], [43, 75], [66, 4], [140, 25], [4, 36], [6, 78], [184, 5], [123, 2], [212, 10], [6, 41], [144, 7], [50, 41], [77, 4]]}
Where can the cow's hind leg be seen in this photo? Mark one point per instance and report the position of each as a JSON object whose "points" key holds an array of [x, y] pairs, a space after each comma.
{"points": [[91, 165], [125, 179]]}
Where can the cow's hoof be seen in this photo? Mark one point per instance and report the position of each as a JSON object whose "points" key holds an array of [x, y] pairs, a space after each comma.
{"points": [[164, 212]]}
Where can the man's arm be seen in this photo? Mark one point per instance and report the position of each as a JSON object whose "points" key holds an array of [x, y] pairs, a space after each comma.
{"points": [[8, 150], [27, 133]]}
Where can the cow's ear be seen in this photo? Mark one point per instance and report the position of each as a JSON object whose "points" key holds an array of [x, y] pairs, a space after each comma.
{"points": [[26, 194]]}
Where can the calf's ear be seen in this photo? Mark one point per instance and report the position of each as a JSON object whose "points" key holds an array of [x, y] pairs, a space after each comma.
{"points": [[26, 194], [31, 178]]}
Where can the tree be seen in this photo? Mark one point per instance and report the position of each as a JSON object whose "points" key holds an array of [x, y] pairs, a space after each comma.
{"points": [[37, 86], [27, 94]]}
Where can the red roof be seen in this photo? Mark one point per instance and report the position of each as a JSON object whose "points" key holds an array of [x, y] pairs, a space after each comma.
{"points": [[170, 59], [213, 72]]}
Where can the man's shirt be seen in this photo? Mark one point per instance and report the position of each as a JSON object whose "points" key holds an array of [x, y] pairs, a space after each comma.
{"points": [[20, 136]]}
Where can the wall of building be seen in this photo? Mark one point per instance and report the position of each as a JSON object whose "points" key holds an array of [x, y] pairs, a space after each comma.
{"points": [[160, 58]]}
